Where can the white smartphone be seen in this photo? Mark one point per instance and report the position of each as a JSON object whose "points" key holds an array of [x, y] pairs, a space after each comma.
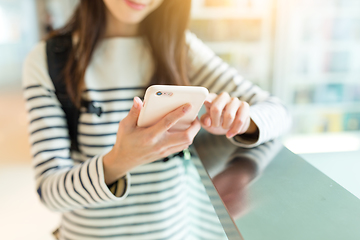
{"points": [[160, 100]]}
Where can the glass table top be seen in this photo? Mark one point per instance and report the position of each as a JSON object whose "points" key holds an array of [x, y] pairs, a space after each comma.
{"points": [[271, 193]]}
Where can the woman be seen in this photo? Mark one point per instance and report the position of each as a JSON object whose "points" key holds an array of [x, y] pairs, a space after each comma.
{"points": [[118, 186]]}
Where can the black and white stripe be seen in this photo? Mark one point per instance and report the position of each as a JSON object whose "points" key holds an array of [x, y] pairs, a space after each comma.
{"points": [[160, 200], [208, 70]]}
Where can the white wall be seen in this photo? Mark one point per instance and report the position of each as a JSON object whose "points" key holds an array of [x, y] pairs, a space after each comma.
{"points": [[19, 33]]}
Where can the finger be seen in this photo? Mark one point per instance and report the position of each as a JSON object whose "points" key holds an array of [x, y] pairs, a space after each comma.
{"points": [[210, 97], [245, 126], [174, 149], [131, 119], [205, 120], [171, 118], [240, 119], [208, 101], [207, 106], [217, 107], [183, 137], [191, 132], [230, 112]]}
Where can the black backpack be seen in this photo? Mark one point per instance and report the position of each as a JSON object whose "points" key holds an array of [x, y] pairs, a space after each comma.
{"points": [[58, 51]]}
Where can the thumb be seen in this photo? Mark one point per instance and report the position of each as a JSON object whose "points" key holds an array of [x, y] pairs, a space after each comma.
{"points": [[207, 106], [133, 115]]}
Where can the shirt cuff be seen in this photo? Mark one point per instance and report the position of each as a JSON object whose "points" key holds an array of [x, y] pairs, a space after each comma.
{"points": [[119, 189]]}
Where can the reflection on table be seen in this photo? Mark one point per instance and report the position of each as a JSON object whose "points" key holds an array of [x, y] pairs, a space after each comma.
{"points": [[271, 193]]}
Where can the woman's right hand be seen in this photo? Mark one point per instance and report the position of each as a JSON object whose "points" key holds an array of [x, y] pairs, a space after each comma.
{"points": [[137, 145]]}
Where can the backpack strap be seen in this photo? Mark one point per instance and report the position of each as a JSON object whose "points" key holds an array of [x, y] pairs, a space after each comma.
{"points": [[58, 51]]}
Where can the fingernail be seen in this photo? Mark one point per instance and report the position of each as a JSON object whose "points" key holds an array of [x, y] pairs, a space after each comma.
{"points": [[207, 122], [186, 108], [230, 135], [136, 104]]}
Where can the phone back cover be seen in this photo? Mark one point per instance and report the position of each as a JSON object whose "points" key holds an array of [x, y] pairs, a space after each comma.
{"points": [[156, 107]]}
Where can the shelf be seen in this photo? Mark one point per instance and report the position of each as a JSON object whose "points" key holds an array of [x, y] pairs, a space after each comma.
{"points": [[342, 12], [326, 78], [229, 47], [303, 109], [329, 44], [325, 12], [228, 13], [323, 142]]}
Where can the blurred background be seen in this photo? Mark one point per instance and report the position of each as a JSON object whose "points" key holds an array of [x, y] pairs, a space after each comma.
{"points": [[307, 52]]}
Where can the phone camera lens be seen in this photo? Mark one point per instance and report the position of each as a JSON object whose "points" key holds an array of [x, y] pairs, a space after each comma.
{"points": [[159, 93]]}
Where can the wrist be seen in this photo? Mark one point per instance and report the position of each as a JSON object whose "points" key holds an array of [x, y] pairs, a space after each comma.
{"points": [[112, 170]]}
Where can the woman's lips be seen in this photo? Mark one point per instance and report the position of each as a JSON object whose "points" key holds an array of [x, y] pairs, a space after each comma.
{"points": [[134, 5]]}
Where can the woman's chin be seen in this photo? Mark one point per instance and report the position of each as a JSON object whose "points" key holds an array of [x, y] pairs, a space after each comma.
{"points": [[131, 18]]}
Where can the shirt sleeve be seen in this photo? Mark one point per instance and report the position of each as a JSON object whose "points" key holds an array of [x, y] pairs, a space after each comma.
{"points": [[267, 112], [63, 182]]}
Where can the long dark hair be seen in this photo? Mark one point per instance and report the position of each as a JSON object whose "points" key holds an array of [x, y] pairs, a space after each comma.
{"points": [[164, 29]]}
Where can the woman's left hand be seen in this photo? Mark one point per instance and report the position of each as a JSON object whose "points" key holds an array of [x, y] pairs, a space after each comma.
{"points": [[227, 115]]}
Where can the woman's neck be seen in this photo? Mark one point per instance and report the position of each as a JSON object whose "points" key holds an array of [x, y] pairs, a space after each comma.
{"points": [[116, 28]]}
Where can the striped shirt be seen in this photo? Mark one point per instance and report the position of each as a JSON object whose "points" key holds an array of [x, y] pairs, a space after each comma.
{"points": [[160, 200]]}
